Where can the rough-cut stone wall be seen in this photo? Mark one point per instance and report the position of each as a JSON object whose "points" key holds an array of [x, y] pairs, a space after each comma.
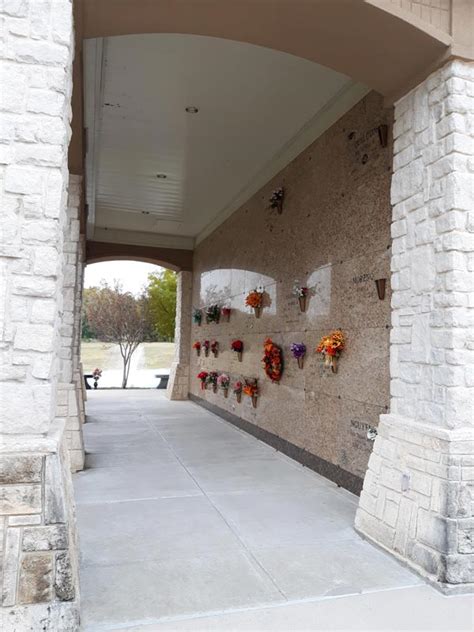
{"points": [[178, 385], [418, 496], [39, 590], [333, 236], [69, 399]]}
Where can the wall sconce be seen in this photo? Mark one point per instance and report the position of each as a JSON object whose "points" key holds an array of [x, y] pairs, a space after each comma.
{"points": [[276, 200], [371, 433], [380, 285], [383, 134]]}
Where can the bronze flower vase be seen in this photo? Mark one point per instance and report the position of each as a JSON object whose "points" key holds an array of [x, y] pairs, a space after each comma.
{"points": [[238, 396], [300, 362], [214, 388], [215, 352], [257, 311], [333, 364], [239, 356], [226, 392], [302, 302], [206, 352], [254, 401], [198, 352]]}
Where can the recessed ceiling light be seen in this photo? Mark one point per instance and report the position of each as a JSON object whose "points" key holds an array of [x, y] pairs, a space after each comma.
{"points": [[161, 176], [191, 109]]}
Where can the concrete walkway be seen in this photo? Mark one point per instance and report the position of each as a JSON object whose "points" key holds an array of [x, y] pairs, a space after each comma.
{"points": [[187, 523]]}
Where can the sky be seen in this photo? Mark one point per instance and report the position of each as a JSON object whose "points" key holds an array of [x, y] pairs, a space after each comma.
{"points": [[133, 275]]}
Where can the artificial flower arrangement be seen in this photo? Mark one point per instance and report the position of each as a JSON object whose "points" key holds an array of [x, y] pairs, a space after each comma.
{"points": [[237, 388], [223, 382], [225, 311], [251, 390], [206, 346], [203, 377], [197, 346], [331, 347], [298, 349], [272, 360], [96, 375], [276, 199], [215, 348], [197, 316], [212, 380], [301, 294], [237, 346], [254, 300], [213, 313]]}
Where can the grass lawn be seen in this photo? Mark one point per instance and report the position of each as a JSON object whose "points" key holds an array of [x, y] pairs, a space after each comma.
{"points": [[106, 356], [103, 355], [158, 355]]}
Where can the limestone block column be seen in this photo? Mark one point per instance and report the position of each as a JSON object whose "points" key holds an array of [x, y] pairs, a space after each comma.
{"points": [[178, 385], [77, 371], [40, 587], [70, 402], [418, 494]]}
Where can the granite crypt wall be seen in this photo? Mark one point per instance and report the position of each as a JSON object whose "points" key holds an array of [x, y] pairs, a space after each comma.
{"points": [[334, 237]]}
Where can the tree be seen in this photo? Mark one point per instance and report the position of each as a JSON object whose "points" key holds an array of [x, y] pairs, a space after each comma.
{"points": [[119, 317], [161, 293]]}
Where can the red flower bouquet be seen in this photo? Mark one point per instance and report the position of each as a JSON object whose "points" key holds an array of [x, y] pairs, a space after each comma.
{"points": [[238, 347], [203, 377]]}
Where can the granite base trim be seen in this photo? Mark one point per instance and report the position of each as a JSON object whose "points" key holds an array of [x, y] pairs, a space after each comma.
{"points": [[334, 473]]}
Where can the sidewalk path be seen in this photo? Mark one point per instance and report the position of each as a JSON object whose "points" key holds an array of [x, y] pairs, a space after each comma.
{"points": [[187, 523]]}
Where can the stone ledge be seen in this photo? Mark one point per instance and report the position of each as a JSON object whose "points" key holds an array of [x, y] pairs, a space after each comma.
{"points": [[48, 443], [413, 426]]}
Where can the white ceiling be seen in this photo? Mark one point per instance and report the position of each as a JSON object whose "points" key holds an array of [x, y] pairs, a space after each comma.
{"points": [[258, 108]]}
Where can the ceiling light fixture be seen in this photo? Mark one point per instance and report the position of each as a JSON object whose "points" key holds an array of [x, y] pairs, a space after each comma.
{"points": [[161, 176], [191, 109]]}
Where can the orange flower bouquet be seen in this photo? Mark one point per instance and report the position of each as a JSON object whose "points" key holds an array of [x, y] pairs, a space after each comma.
{"points": [[272, 360], [254, 300], [331, 347], [251, 390]]}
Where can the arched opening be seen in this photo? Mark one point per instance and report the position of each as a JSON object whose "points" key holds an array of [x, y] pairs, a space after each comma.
{"points": [[128, 325]]}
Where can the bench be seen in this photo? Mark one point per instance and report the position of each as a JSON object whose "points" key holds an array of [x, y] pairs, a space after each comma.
{"points": [[164, 378], [87, 377]]}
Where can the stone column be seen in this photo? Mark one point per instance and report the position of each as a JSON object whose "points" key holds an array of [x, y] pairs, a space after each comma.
{"points": [[77, 371], [70, 402], [418, 492], [40, 588], [178, 385]]}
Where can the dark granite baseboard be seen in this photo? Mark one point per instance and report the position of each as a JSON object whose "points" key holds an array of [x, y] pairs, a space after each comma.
{"points": [[334, 473]]}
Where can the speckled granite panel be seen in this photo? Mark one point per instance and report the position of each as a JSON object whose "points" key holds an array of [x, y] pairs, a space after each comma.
{"points": [[334, 237]]}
